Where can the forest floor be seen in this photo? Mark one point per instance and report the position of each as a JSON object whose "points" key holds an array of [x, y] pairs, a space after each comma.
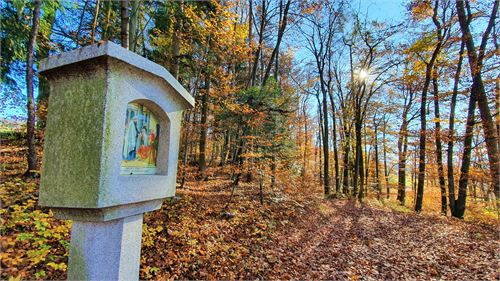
{"points": [[295, 234]]}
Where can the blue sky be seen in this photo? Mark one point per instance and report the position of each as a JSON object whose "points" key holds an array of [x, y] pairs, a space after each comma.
{"points": [[380, 10]]}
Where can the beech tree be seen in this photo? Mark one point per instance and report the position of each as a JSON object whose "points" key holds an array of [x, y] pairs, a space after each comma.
{"points": [[478, 94]]}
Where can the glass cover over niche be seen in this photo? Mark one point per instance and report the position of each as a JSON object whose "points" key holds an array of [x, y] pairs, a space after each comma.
{"points": [[140, 145]]}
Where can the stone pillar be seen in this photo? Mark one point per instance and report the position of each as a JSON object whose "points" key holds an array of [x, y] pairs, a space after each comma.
{"points": [[107, 250]]}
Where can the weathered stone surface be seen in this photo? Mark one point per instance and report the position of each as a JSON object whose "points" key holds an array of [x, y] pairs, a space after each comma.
{"points": [[112, 50], [105, 250], [90, 90], [74, 133]]}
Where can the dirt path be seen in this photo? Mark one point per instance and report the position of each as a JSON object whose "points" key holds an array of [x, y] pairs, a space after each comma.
{"points": [[350, 241]]}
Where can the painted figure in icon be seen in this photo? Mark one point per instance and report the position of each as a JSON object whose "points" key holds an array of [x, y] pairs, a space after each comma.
{"points": [[140, 141], [130, 144]]}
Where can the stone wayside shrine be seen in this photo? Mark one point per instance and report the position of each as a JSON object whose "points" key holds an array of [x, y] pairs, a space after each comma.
{"points": [[111, 147]]}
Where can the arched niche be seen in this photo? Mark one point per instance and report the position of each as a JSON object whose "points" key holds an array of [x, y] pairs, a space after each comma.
{"points": [[145, 147]]}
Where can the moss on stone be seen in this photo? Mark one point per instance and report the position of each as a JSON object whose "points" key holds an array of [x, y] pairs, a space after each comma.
{"points": [[73, 142]]}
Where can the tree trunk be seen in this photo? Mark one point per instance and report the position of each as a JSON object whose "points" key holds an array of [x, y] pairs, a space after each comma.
{"points": [[423, 124], [402, 141], [255, 64], [377, 175], [204, 126], [439, 149], [134, 23], [358, 164], [335, 150], [320, 135], [94, 23], [326, 149], [386, 172], [306, 141], [476, 63], [105, 34], [281, 32], [464, 169], [323, 107], [366, 159], [30, 128], [273, 171], [80, 24], [176, 42], [451, 133], [345, 163], [124, 23]]}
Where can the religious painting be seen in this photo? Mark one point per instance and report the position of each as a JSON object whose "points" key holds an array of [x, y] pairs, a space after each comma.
{"points": [[140, 145]]}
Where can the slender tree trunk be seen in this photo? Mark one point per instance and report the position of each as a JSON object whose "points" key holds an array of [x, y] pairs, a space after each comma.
{"points": [[250, 36], [451, 133], [439, 149], [133, 25], [422, 145], [335, 152], [423, 124], [281, 32], [377, 174], [464, 168], [358, 166], [94, 23], [105, 34], [255, 63], [224, 149], [30, 60], [273, 170], [320, 135], [80, 24], [386, 172], [402, 140], [366, 160], [187, 121], [306, 141], [124, 23], [204, 126], [345, 163], [176, 42], [324, 130]]}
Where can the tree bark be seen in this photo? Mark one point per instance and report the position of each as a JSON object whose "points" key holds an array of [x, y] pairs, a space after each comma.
{"points": [[377, 175], [30, 59], [281, 32], [439, 149], [80, 24], [464, 168], [475, 64], [176, 44], [451, 133], [94, 23], [124, 13], [345, 162], [133, 25], [255, 64], [204, 126], [402, 141], [105, 33], [423, 121], [386, 172]]}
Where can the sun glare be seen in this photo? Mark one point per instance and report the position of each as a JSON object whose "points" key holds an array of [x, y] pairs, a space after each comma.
{"points": [[363, 74]]}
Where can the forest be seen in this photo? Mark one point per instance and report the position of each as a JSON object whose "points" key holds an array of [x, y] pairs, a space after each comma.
{"points": [[325, 143]]}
